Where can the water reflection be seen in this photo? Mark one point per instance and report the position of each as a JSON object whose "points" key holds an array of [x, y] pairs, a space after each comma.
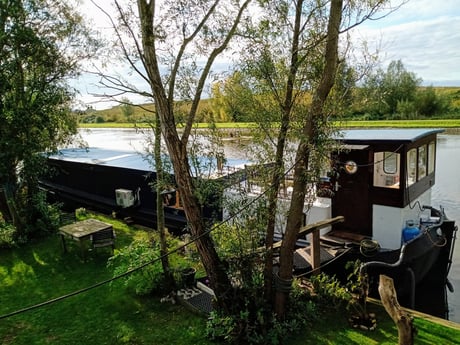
{"points": [[446, 192], [130, 139]]}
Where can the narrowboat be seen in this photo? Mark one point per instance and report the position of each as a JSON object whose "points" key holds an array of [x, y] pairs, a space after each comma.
{"points": [[122, 183]]}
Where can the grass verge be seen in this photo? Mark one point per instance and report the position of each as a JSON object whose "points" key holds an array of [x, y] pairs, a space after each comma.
{"points": [[443, 123]]}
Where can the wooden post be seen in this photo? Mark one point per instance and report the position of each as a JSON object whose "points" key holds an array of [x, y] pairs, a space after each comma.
{"points": [[315, 251], [402, 319]]}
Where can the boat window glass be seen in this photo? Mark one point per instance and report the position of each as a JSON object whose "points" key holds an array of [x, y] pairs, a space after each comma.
{"points": [[411, 166], [422, 159], [386, 169], [431, 156], [390, 162]]}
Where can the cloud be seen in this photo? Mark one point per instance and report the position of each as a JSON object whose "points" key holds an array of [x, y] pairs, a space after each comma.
{"points": [[424, 35]]}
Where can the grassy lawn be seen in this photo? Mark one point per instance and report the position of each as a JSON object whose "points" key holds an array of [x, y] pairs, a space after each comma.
{"points": [[105, 315], [109, 314]]}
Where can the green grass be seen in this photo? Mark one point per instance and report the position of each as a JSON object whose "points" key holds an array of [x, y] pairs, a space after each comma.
{"points": [[110, 314], [444, 123], [334, 329], [107, 314]]}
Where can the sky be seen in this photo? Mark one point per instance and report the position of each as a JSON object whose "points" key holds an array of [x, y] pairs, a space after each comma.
{"points": [[423, 34]]}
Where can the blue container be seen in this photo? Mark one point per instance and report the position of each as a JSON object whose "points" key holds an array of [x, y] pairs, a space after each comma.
{"points": [[410, 231]]}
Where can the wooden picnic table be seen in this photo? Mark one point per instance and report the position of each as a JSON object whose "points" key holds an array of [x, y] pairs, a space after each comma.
{"points": [[81, 231]]}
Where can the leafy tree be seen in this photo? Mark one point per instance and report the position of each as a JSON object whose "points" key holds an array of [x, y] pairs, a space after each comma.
{"points": [[41, 45], [127, 109], [429, 103], [234, 99], [311, 140], [383, 90], [294, 52], [173, 37], [398, 85]]}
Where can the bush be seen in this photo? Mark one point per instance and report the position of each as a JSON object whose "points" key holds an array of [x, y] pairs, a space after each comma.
{"points": [[39, 218], [7, 232], [429, 103], [253, 323], [329, 291], [149, 279]]}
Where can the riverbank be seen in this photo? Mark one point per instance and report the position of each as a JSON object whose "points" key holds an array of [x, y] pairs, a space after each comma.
{"points": [[450, 124]]}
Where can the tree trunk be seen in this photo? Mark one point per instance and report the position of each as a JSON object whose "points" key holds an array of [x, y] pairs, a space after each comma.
{"points": [[177, 150], [160, 181], [211, 261], [279, 157], [402, 319], [311, 131]]}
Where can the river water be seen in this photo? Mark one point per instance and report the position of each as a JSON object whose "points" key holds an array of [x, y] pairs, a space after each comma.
{"points": [[445, 193]]}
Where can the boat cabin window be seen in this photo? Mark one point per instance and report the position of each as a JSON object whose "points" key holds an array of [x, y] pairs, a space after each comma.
{"points": [[422, 151], [431, 156], [420, 162], [411, 166], [386, 169]]}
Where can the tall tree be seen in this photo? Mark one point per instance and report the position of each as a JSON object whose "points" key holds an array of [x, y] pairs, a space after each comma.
{"points": [[194, 20], [312, 132], [384, 90], [41, 45], [179, 43], [295, 52], [174, 38]]}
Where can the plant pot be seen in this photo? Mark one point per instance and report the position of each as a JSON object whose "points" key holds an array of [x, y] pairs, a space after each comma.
{"points": [[188, 277]]}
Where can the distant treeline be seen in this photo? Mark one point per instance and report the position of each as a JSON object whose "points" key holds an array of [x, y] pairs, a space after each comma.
{"points": [[427, 103]]}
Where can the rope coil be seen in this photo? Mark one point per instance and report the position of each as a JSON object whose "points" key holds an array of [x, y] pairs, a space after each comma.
{"points": [[283, 285], [368, 247]]}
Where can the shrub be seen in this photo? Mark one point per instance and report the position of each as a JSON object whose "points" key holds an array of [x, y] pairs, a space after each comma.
{"points": [[39, 217], [406, 109], [429, 103], [7, 232], [253, 323], [143, 253], [329, 291]]}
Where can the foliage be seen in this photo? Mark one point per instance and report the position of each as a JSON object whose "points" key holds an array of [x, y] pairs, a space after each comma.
{"points": [[234, 100], [252, 321], [396, 93], [42, 218], [430, 103], [249, 324], [127, 109], [253, 326], [42, 43], [237, 109], [7, 231], [150, 279], [206, 155], [329, 291]]}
